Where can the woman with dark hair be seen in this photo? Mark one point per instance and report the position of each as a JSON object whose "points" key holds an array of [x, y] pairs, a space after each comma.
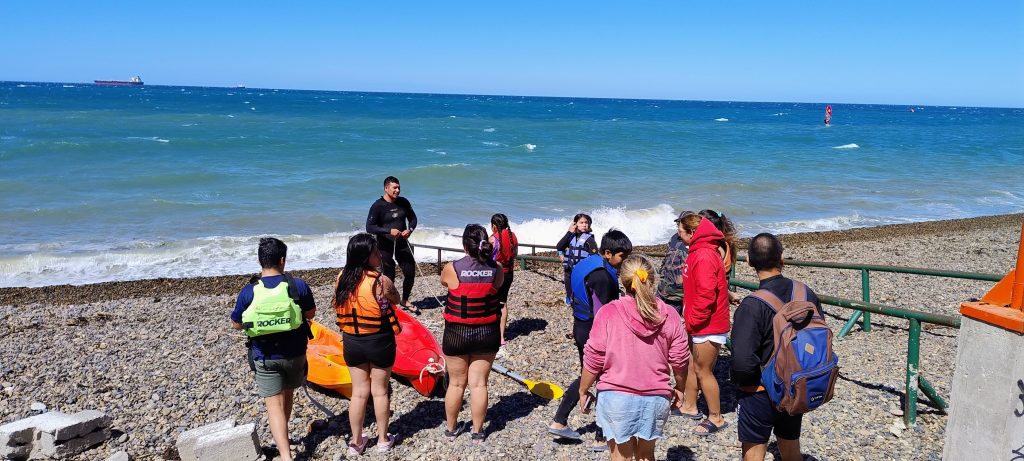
{"points": [[472, 334], [506, 248], [726, 246], [364, 300]]}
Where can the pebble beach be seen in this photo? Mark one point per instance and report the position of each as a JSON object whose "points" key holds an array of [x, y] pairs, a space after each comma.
{"points": [[159, 358]]}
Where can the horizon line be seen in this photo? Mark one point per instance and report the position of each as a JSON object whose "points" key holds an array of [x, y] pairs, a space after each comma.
{"points": [[533, 96]]}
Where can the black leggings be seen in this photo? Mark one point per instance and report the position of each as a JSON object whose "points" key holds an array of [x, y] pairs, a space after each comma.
{"points": [[581, 333], [403, 253]]}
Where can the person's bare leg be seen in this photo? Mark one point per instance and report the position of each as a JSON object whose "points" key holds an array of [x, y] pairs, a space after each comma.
{"points": [[379, 379], [458, 369], [279, 424], [789, 449], [689, 403], [705, 364], [754, 451], [504, 320], [644, 450], [622, 451], [479, 371], [357, 403]]}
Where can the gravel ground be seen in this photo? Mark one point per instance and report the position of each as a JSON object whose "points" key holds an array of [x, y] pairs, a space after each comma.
{"points": [[158, 357]]}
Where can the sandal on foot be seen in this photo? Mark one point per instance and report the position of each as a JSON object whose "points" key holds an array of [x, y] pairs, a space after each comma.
{"points": [[594, 447], [459, 429], [698, 416], [477, 437], [358, 449], [709, 427], [383, 447], [565, 433]]}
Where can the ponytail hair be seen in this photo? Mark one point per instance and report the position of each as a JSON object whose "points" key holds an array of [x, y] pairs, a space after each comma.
{"points": [[726, 227], [476, 244], [357, 262], [499, 221], [637, 274]]}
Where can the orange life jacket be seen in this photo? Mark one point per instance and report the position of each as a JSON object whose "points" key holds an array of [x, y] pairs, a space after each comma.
{"points": [[474, 301], [364, 312]]}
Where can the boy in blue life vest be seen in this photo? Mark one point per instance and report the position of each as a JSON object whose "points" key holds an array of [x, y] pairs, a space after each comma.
{"points": [[594, 283], [273, 310], [752, 346]]}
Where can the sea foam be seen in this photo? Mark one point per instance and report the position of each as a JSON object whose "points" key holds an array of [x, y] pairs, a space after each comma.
{"points": [[847, 146]]}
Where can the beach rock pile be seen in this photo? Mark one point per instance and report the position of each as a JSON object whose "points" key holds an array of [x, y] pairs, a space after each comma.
{"points": [[162, 361]]}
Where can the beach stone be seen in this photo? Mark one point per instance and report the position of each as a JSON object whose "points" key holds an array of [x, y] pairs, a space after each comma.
{"points": [[66, 427], [38, 407], [238, 443], [119, 456], [48, 446]]}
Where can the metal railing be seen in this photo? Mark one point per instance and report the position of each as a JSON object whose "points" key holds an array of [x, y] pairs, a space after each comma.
{"points": [[864, 308]]}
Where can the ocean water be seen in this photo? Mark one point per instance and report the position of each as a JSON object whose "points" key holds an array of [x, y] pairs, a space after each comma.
{"points": [[108, 183]]}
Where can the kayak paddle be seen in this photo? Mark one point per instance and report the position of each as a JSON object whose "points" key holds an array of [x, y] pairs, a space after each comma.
{"points": [[544, 389]]}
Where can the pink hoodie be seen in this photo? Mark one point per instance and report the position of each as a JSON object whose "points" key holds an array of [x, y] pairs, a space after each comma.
{"points": [[631, 355]]}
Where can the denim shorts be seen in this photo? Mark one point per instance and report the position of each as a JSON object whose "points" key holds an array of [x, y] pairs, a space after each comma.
{"points": [[622, 415]]}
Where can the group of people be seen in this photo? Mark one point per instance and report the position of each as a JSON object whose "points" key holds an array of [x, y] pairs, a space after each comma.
{"points": [[648, 348]]}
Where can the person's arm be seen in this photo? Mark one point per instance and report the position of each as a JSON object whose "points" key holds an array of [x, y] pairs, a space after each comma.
{"points": [[373, 221], [705, 292], [389, 291], [241, 303], [603, 288], [449, 278], [410, 216], [587, 379], [499, 278], [306, 301], [591, 245], [746, 337], [594, 354], [564, 242]]}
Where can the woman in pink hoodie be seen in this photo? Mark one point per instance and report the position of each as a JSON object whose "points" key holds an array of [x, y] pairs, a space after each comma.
{"points": [[636, 345]]}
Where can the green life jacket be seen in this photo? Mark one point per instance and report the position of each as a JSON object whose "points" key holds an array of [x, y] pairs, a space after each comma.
{"points": [[273, 310]]}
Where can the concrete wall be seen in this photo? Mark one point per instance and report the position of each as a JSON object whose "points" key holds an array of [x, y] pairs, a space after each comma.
{"points": [[986, 418]]}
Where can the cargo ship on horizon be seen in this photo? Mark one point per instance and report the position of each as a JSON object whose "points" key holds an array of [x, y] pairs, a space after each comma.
{"points": [[135, 81]]}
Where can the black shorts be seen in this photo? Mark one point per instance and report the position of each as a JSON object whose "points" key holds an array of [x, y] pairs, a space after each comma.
{"points": [[377, 349], [461, 339], [505, 285], [757, 418]]}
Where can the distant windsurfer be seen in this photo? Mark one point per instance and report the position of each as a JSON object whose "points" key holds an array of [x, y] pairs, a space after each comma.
{"points": [[828, 115]]}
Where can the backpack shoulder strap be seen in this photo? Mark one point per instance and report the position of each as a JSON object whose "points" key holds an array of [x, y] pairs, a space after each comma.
{"points": [[293, 291], [768, 298], [799, 291]]}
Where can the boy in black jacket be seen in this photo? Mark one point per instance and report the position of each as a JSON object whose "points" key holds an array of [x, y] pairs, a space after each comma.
{"points": [[752, 346]]}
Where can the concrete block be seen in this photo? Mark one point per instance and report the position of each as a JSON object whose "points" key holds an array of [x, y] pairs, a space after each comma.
{"points": [[67, 427], [187, 440], [119, 456], [47, 446], [235, 444], [16, 438], [15, 452]]}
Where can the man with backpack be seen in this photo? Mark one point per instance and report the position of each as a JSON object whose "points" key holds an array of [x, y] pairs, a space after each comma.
{"points": [[760, 371], [273, 310]]}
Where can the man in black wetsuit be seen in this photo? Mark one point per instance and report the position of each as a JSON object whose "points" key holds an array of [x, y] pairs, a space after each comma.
{"points": [[388, 220]]}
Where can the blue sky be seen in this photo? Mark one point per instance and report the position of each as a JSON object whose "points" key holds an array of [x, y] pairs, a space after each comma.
{"points": [[943, 53]]}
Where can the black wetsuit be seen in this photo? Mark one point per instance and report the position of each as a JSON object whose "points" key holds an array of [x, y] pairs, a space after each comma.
{"points": [[383, 217]]}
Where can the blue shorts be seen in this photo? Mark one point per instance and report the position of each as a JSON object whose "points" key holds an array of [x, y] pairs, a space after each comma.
{"points": [[757, 418], [622, 415]]}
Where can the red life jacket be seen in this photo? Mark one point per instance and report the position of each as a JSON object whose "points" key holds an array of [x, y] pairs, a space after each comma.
{"points": [[474, 301], [508, 249]]}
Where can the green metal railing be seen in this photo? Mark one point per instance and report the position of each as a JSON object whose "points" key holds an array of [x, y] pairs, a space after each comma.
{"points": [[863, 307], [864, 317]]}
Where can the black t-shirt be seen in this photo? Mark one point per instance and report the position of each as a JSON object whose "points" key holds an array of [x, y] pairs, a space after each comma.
{"points": [[752, 332], [384, 216], [602, 287]]}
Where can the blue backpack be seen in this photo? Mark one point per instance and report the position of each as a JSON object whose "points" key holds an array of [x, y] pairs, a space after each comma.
{"points": [[802, 371]]}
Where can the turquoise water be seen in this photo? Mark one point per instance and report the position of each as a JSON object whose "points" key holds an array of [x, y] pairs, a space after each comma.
{"points": [[106, 183]]}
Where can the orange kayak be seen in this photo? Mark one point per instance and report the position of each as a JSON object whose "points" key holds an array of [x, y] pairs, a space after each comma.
{"points": [[418, 358]]}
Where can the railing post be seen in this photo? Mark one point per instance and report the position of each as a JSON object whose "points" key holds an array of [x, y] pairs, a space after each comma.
{"points": [[522, 264], [732, 275], [439, 267], [913, 369], [929, 391], [865, 293], [849, 324]]}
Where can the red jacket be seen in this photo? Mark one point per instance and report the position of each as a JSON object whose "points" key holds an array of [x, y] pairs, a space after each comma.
{"points": [[705, 286], [508, 249]]}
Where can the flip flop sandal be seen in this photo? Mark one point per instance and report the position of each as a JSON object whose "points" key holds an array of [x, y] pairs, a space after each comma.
{"points": [[698, 416], [477, 437], [358, 449], [459, 429], [599, 448], [710, 427], [383, 447]]}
